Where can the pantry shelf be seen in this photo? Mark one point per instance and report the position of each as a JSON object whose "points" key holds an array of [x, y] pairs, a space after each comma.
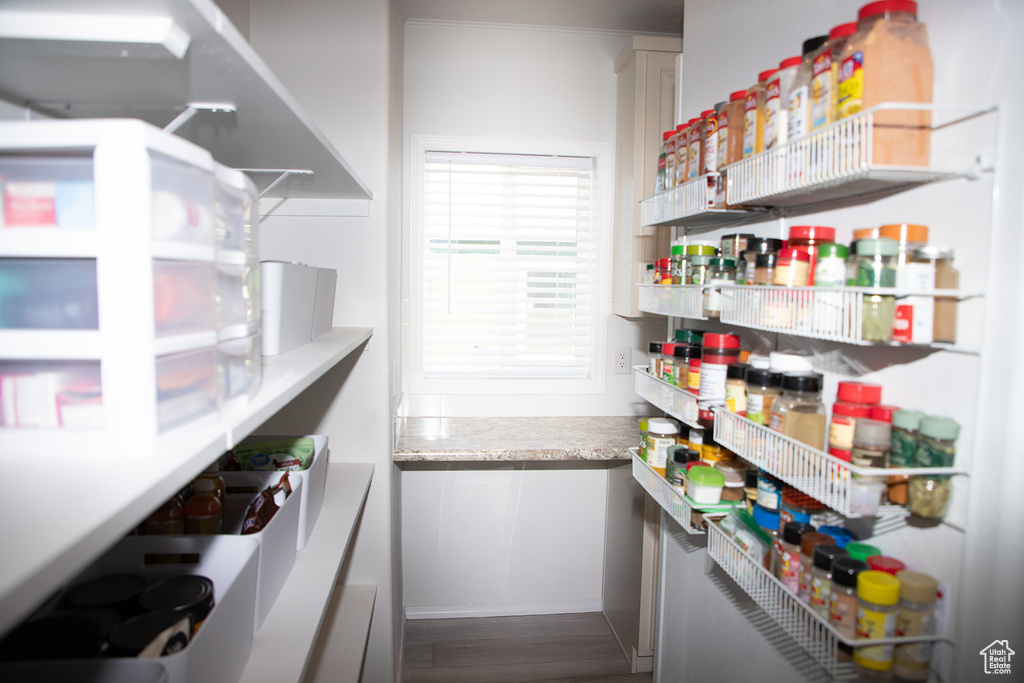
{"points": [[679, 301], [677, 402], [794, 616], [670, 499], [688, 205]]}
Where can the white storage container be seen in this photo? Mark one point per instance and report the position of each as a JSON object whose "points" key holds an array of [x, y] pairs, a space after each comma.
{"points": [[47, 193], [218, 652], [288, 291], [323, 306]]}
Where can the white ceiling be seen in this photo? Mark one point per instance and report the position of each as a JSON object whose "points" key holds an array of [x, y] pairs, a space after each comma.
{"points": [[663, 17]]}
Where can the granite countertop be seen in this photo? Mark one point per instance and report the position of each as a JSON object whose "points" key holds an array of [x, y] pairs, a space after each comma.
{"points": [[511, 439]]}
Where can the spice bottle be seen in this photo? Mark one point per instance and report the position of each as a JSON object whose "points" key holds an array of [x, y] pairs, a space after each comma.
{"points": [[763, 386], [668, 361], [204, 513], [799, 412], [884, 563], [830, 266], [841, 536], [808, 542], [698, 267], [883, 413], [736, 388], [809, 238], [792, 268], [764, 269], [905, 424], [840, 429], [678, 264], [797, 506], [721, 271], [718, 352], [753, 115], [914, 315], [888, 60], [659, 179], [872, 440], [693, 376], [798, 106], [878, 597], [730, 134], [642, 426], [842, 607], [821, 576], [928, 496], [946, 277], [776, 100], [755, 246], [708, 141], [769, 492], [787, 550], [916, 617], [661, 433], [694, 150], [825, 76], [876, 267], [683, 354], [654, 358], [735, 244]]}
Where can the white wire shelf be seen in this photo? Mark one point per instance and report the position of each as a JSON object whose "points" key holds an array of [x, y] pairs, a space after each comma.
{"points": [[832, 313], [676, 401], [839, 161], [679, 301], [818, 474], [671, 499], [690, 205], [812, 632]]}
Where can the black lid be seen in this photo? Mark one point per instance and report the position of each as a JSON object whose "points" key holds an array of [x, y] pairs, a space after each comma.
{"points": [[654, 347], [764, 245], [752, 476], [106, 590], [792, 532], [769, 260], [692, 455], [845, 570], [763, 377], [59, 636], [677, 453], [135, 634], [812, 44], [824, 554], [686, 351], [189, 593], [106, 619], [738, 371], [802, 381]]}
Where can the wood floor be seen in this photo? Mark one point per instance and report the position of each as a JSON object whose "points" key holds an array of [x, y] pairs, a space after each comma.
{"points": [[576, 648]]}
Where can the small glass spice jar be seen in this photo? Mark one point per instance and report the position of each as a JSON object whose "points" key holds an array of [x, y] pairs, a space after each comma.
{"points": [[799, 412], [763, 386], [764, 269], [736, 388], [928, 496], [698, 267], [916, 617], [787, 550], [654, 359], [678, 264], [668, 361], [821, 576], [876, 267], [755, 246], [797, 506], [872, 441], [792, 268], [830, 268], [721, 271], [853, 402], [842, 602], [808, 238], [808, 542], [946, 277], [905, 424], [683, 354]]}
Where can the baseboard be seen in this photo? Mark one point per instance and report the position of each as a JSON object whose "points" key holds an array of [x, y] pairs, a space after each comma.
{"points": [[503, 609], [618, 641], [642, 665]]}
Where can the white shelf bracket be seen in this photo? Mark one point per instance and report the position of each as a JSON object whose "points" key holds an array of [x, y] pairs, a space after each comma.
{"points": [[193, 108], [283, 173]]}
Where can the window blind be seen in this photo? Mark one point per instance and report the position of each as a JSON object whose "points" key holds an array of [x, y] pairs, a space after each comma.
{"points": [[509, 257]]}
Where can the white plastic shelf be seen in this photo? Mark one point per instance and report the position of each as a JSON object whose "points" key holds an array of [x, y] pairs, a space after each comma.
{"points": [[690, 205], [794, 616], [668, 497], [679, 301], [677, 402], [832, 313], [816, 473], [836, 162]]}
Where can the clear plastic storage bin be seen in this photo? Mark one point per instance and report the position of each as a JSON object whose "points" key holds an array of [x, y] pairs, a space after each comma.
{"points": [[241, 365], [48, 294], [238, 296], [47, 193], [51, 394], [187, 386], [184, 297], [234, 209], [182, 202]]}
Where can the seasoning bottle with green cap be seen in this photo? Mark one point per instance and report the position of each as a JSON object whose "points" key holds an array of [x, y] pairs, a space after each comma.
{"points": [[721, 271], [862, 551], [878, 596], [916, 617], [928, 495], [876, 267], [678, 264], [905, 424], [830, 268]]}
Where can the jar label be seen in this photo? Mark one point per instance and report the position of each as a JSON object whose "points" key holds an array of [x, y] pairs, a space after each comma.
{"points": [[819, 592], [789, 570], [842, 612], [657, 450], [767, 495], [840, 432], [775, 422], [771, 113], [914, 623], [736, 396], [693, 379], [830, 272], [758, 406], [874, 624], [903, 446], [797, 119], [915, 315], [821, 90], [712, 381], [851, 84], [722, 147], [749, 125]]}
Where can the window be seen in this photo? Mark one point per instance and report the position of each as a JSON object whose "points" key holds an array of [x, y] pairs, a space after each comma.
{"points": [[508, 249]]}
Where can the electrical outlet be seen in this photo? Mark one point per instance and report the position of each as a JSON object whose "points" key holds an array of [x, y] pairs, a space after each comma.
{"points": [[622, 354]]}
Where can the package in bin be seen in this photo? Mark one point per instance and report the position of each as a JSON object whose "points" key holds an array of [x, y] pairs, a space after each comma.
{"points": [[282, 455], [262, 510]]}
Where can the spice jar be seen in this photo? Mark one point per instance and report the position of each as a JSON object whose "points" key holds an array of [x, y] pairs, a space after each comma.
{"points": [[840, 429], [878, 597], [708, 139], [884, 563], [642, 425], [736, 388], [675, 466], [769, 491], [734, 245], [842, 536], [668, 361], [876, 267], [693, 376], [799, 412], [821, 576], [693, 169], [928, 496], [689, 337], [659, 180], [792, 268], [825, 77], [914, 315], [678, 264], [720, 271], [842, 603], [698, 268], [798, 105], [808, 238], [682, 355], [905, 424], [763, 386], [711, 452], [916, 617], [764, 269], [808, 542], [862, 551], [787, 554], [872, 440], [946, 277], [830, 268], [882, 413], [767, 519], [654, 358], [776, 97], [755, 246], [661, 433], [730, 140], [718, 352]]}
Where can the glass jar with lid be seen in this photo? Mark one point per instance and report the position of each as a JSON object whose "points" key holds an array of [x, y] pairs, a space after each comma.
{"points": [[755, 246], [842, 610], [798, 412], [946, 277], [764, 269], [916, 617], [808, 238], [678, 264], [876, 267], [821, 576], [792, 268], [683, 354], [928, 496], [698, 267], [878, 596], [721, 271], [905, 424], [763, 386]]}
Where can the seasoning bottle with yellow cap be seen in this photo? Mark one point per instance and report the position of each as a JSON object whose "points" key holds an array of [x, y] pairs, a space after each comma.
{"points": [[916, 617], [878, 596]]}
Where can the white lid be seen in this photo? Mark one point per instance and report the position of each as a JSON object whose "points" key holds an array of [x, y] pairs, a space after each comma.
{"points": [[759, 361], [790, 362], [660, 425], [203, 485]]}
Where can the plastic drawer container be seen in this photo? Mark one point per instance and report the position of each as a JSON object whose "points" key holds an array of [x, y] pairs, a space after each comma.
{"points": [[182, 202], [241, 366], [47, 193], [51, 394], [234, 209], [188, 386], [218, 652], [48, 294], [238, 297], [277, 544], [314, 479], [184, 298]]}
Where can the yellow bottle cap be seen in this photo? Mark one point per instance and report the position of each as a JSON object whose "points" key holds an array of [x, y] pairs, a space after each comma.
{"points": [[878, 587]]}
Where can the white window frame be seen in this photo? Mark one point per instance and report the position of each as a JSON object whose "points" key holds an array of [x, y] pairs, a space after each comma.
{"points": [[412, 318]]}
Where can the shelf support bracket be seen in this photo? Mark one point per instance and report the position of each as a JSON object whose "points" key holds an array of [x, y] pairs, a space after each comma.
{"points": [[192, 109], [282, 174]]}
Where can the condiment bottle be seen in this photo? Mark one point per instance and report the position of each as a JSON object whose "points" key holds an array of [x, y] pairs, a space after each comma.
{"points": [[694, 151], [830, 265], [799, 412], [914, 315], [753, 115], [735, 244], [858, 235], [678, 264], [824, 73], [693, 250], [905, 424], [718, 352], [661, 433], [840, 429], [708, 141], [693, 376], [642, 427], [769, 491], [821, 576], [946, 277], [838, 37], [787, 550], [763, 386], [842, 607], [888, 60], [798, 105], [755, 246], [668, 361], [776, 102], [204, 512], [808, 542], [764, 269], [808, 238], [792, 268], [916, 617], [736, 388], [169, 518], [876, 267], [698, 267], [659, 180], [730, 130], [722, 271], [872, 440], [654, 358], [797, 506], [878, 597], [928, 496], [683, 354]]}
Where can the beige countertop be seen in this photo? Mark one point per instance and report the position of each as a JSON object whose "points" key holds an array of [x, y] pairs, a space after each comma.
{"points": [[512, 439]]}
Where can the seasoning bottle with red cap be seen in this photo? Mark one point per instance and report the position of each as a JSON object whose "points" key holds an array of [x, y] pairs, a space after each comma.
{"points": [[718, 352], [753, 115], [776, 98], [693, 150], [853, 401], [824, 77], [808, 238]]}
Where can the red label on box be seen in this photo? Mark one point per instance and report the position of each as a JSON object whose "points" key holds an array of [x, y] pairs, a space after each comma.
{"points": [[903, 324], [28, 205]]}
